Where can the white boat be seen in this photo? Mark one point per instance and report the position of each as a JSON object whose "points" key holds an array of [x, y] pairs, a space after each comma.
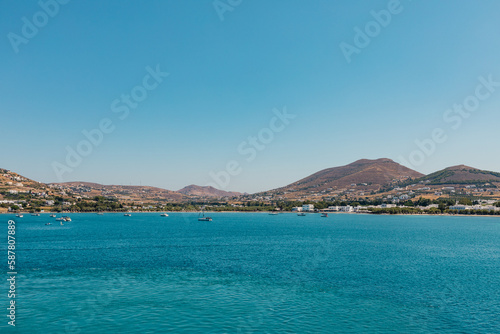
{"points": [[273, 213], [48, 224], [53, 215], [324, 215], [203, 218], [128, 215], [301, 214], [19, 215], [62, 224], [164, 215], [35, 214], [62, 218]]}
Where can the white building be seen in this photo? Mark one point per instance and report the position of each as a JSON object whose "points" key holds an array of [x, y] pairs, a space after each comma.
{"points": [[308, 207], [346, 208]]}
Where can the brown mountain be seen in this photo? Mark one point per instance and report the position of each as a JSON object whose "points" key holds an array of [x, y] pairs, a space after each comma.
{"points": [[123, 193], [366, 174], [461, 174], [207, 191]]}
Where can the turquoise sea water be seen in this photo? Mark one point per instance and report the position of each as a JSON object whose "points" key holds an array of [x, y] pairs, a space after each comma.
{"points": [[245, 273]]}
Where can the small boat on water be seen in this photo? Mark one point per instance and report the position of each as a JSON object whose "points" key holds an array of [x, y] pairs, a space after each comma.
{"points": [[301, 214], [53, 215], [66, 219], [100, 213], [203, 218], [62, 224], [164, 215], [35, 214], [128, 215], [324, 215], [48, 224], [273, 213], [19, 215]]}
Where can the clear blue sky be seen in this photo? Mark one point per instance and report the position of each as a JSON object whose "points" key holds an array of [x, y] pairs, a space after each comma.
{"points": [[226, 77]]}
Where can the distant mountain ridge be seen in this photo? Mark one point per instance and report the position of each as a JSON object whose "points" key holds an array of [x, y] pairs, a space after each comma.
{"points": [[361, 178], [207, 191], [372, 174], [120, 191], [461, 174]]}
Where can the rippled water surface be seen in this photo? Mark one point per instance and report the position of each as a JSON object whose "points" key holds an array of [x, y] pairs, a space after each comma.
{"points": [[246, 273]]}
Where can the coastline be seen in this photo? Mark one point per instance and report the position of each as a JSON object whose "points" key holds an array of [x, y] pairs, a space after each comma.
{"points": [[263, 212]]}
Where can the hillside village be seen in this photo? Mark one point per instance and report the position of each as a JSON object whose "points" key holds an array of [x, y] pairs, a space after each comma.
{"points": [[361, 187]]}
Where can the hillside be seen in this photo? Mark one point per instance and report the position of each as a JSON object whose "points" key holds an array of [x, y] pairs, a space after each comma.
{"points": [[122, 193], [12, 183], [364, 174], [461, 175], [208, 191]]}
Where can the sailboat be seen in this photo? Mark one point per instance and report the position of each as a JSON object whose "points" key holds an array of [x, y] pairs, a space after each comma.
{"points": [[203, 218]]}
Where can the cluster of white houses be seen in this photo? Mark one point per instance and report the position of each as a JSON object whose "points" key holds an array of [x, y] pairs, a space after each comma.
{"points": [[346, 208], [349, 208], [460, 207]]}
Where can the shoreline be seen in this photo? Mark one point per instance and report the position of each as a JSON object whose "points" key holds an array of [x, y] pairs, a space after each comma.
{"points": [[263, 212]]}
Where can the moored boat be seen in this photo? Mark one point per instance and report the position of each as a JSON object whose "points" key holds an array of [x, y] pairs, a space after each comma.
{"points": [[203, 218]]}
